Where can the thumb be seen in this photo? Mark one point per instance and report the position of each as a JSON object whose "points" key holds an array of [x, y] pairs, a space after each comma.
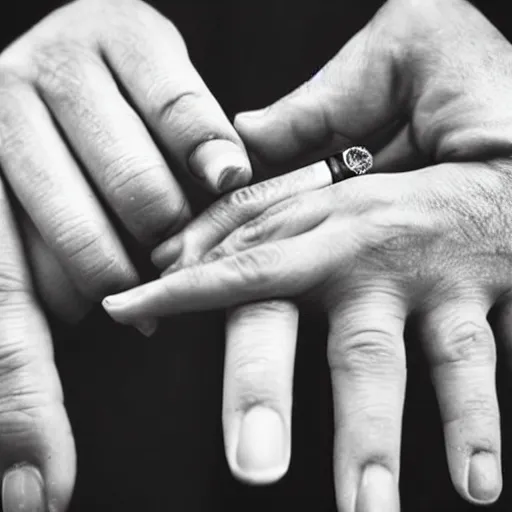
{"points": [[37, 454], [417, 80], [349, 99]]}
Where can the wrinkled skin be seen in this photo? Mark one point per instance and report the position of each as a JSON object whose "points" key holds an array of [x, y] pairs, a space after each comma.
{"points": [[95, 101], [426, 83]]}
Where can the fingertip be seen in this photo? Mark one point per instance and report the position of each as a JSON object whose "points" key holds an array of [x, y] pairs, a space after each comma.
{"points": [[222, 164], [378, 490], [122, 310], [259, 454], [23, 489], [167, 252], [484, 478], [110, 304]]}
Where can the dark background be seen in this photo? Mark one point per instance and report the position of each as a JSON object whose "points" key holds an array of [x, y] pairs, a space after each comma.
{"points": [[146, 414]]}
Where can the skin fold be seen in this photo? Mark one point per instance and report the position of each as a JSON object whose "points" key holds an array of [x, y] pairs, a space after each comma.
{"points": [[369, 251], [103, 117]]}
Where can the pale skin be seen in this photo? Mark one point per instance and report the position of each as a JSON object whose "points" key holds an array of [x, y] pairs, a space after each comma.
{"points": [[51, 76], [93, 99], [369, 251]]}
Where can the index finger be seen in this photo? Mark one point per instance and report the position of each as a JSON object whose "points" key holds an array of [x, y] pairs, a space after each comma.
{"points": [[233, 210], [174, 100], [280, 269]]}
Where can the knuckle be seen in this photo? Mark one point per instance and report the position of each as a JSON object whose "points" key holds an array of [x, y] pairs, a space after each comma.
{"points": [[478, 414], [28, 384], [466, 342], [23, 407], [240, 198], [367, 352], [164, 214], [129, 173], [178, 108], [83, 245], [17, 418], [249, 198], [11, 111], [90, 255], [23, 411], [258, 267], [216, 254], [19, 367], [142, 194], [13, 287], [128, 42], [194, 275], [254, 232], [261, 229], [79, 240], [60, 69], [255, 379], [219, 216], [479, 408]]}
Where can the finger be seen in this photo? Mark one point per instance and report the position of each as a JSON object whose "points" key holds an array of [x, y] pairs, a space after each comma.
{"points": [[56, 196], [37, 457], [291, 217], [235, 209], [258, 379], [379, 79], [56, 291], [279, 269], [367, 360], [461, 350], [175, 102], [352, 97], [111, 142]]}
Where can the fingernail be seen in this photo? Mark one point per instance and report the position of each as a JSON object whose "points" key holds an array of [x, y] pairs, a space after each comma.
{"points": [[484, 479], [377, 491], [263, 445], [222, 163], [121, 299], [230, 179], [113, 301], [167, 252], [23, 490], [147, 326]]}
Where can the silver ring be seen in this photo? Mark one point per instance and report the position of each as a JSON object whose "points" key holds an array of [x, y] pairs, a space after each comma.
{"points": [[353, 161]]}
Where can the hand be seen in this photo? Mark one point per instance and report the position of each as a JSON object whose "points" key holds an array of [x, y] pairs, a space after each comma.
{"points": [[370, 251], [87, 98], [373, 250], [37, 455]]}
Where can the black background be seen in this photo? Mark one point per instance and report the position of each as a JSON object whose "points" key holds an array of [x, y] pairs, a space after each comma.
{"points": [[146, 414]]}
